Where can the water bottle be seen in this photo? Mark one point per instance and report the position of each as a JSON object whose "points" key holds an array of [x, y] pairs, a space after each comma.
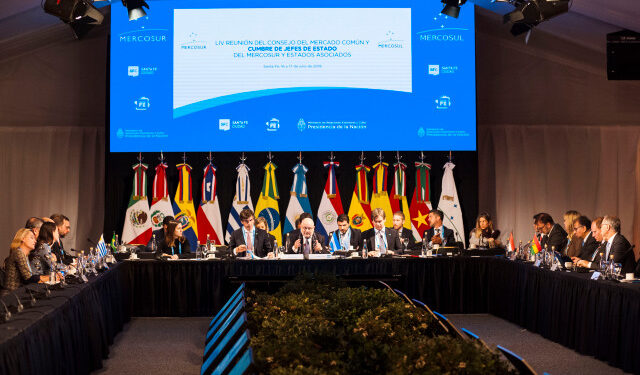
{"points": [[154, 246], [365, 252], [208, 248], [602, 262]]}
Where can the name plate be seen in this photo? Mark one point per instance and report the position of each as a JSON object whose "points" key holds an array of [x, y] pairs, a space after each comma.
{"points": [[301, 256], [554, 267], [537, 263], [595, 275], [84, 278]]}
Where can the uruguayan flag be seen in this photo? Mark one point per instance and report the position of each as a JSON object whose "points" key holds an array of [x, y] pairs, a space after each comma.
{"points": [[102, 247], [241, 200]]}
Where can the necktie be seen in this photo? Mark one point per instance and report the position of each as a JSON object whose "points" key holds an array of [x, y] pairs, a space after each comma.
{"points": [[383, 247], [249, 244], [306, 249]]}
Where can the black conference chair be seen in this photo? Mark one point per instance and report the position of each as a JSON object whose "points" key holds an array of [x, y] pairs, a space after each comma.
{"points": [[518, 362]]}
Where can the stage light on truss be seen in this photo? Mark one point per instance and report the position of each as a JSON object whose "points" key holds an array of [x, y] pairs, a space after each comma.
{"points": [[529, 14], [452, 7], [135, 8], [81, 15]]}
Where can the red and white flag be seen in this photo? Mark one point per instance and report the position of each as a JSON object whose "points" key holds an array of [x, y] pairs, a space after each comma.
{"points": [[330, 204], [209, 219], [511, 246]]}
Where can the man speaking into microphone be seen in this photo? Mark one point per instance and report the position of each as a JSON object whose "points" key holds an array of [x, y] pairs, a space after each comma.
{"points": [[309, 241]]}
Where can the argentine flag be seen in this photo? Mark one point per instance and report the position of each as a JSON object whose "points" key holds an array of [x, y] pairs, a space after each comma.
{"points": [[299, 201]]}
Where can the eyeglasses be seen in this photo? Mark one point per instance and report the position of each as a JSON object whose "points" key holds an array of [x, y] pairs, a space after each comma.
{"points": [[576, 228]]}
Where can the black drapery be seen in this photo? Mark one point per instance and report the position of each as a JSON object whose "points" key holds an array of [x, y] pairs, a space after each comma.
{"points": [[68, 333]]}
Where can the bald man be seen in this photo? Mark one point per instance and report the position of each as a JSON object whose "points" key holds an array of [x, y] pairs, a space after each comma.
{"points": [[309, 241]]}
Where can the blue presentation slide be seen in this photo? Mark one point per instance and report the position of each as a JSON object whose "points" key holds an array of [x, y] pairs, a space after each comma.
{"points": [[294, 76]]}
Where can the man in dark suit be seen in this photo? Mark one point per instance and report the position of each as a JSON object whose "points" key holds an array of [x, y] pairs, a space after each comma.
{"points": [[616, 245], [438, 234], [291, 237], [309, 241], [64, 227], [250, 238], [379, 239], [592, 247], [406, 235], [346, 237], [552, 235], [159, 233]]}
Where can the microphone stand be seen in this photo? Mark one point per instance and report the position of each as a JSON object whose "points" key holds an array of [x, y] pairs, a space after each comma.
{"points": [[7, 314], [456, 231], [19, 307]]}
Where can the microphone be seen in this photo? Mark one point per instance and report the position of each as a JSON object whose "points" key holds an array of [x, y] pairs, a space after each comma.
{"points": [[456, 231], [33, 298], [7, 314], [19, 306]]}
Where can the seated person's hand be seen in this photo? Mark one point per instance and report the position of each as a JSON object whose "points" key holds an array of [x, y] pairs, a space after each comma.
{"points": [[296, 245], [436, 240], [575, 260], [44, 279], [582, 263], [174, 257], [54, 259], [270, 255], [317, 247], [373, 254], [240, 249]]}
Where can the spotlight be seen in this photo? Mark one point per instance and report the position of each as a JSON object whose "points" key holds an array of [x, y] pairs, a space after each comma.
{"points": [[135, 8], [452, 7], [531, 13], [81, 15]]}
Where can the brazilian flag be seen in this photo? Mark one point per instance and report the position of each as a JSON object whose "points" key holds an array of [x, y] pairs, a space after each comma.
{"points": [[267, 205]]}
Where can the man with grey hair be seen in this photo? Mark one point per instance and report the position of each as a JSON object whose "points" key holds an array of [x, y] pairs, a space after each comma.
{"points": [[379, 239], [616, 245], [34, 224], [309, 242]]}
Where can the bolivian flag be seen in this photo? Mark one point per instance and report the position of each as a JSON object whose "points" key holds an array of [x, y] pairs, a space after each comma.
{"points": [[267, 206], [535, 245]]}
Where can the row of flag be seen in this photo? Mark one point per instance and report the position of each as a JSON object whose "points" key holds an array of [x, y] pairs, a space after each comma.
{"points": [[141, 219]]}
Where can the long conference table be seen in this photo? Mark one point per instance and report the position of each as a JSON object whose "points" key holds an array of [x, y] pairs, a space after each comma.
{"points": [[70, 331]]}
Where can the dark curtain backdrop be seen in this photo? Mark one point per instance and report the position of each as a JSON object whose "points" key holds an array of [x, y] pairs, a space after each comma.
{"points": [[546, 103], [119, 178]]}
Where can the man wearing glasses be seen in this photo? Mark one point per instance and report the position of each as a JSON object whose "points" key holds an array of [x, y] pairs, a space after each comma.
{"points": [[583, 241], [553, 237]]}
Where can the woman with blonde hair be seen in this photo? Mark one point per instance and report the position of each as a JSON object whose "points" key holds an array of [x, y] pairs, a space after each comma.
{"points": [[575, 242], [483, 235], [16, 266]]}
